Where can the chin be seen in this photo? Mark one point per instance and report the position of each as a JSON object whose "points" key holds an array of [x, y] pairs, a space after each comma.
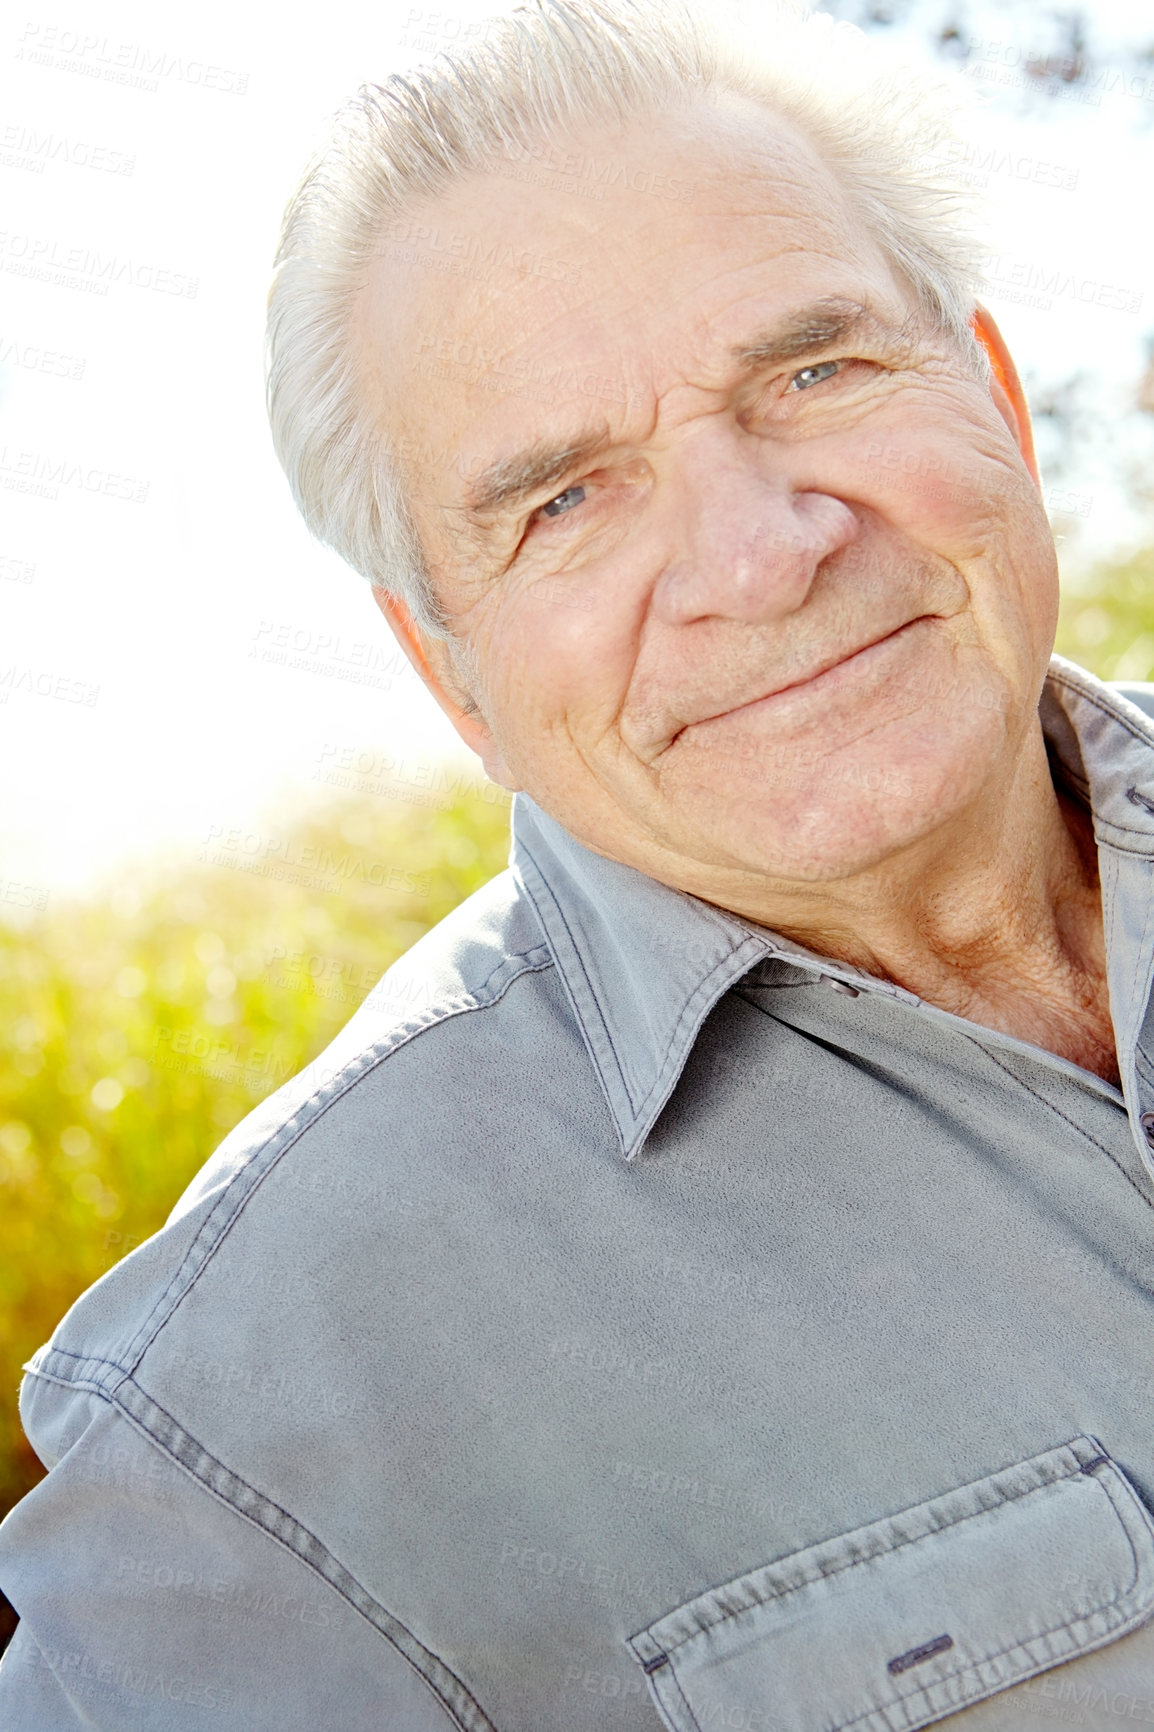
{"points": [[836, 820]]}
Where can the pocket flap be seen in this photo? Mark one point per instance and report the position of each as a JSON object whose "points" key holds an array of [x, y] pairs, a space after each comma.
{"points": [[900, 1623]]}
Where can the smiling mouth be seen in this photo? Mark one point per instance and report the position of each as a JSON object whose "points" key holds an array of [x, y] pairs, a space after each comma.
{"points": [[840, 665]]}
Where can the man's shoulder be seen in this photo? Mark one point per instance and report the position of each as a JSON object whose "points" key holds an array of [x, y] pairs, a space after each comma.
{"points": [[464, 964], [1139, 693], [368, 1131]]}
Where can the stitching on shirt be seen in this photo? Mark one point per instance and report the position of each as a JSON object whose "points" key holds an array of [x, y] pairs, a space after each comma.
{"points": [[867, 1067], [693, 1011], [1140, 950], [1119, 848], [234, 1199], [1059, 677], [304, 1545], [561, 916], [779, 985], [984, 1660], [1110, 937], [674, 1681], [1065, 1117], [962, 1672], [690, 1012], [1111, 715], [888, 1551]]}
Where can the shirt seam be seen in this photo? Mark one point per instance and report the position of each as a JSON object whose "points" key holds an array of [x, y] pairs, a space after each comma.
{"points": [[888, 1551], [1141, 955], [232, 1205], [678, 1040], [1065, 1117], [317, 1557], [581, 1021], [972, 1668], [1059, 677], [692, 1010], [1089, 697]]}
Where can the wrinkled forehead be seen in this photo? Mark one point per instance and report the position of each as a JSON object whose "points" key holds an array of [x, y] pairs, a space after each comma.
{"points": [[592, 274]]}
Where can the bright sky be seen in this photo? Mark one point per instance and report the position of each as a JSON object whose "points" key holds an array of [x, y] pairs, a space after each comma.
{"points": [[142, 706]]}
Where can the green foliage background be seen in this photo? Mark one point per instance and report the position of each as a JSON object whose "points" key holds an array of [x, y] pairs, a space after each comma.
{"points": [[1107, 619], [136, 1029]]}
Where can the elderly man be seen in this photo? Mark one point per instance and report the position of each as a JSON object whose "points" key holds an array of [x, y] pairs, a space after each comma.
{"points": [[709, 1284]]}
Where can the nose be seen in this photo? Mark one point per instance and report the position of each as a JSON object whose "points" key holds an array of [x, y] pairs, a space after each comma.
{"points": [[747, 537]]}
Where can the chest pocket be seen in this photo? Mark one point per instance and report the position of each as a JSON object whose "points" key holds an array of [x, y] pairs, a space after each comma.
{"points": [[906, 1621]]}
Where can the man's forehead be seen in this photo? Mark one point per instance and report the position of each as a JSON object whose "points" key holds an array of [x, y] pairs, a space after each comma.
{"points": [[504, 306]]}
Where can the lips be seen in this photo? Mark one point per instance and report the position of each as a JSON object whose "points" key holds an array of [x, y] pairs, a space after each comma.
{"points": [[831, 665]]}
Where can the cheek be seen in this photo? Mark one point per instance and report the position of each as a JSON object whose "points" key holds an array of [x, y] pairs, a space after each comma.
{"points": [[949, 501], [939, 461], [969, 500], [558, 655]]}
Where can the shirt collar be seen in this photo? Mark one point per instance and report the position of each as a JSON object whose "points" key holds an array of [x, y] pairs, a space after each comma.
{"points": [[643, 964]]}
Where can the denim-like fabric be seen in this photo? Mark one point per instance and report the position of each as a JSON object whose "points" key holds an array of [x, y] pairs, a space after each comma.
{"points": [[965, 1594], [624, 1324]]}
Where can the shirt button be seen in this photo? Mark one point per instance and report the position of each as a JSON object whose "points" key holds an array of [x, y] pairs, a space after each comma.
{"points": [[853, 992], [1147, 1123]]}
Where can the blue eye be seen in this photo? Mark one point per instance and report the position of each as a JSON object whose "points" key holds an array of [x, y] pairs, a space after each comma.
{"points": [[564, 502], [814, 375]]}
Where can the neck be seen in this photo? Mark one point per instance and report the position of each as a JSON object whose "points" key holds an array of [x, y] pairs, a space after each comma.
{"points": [[997, 919]]}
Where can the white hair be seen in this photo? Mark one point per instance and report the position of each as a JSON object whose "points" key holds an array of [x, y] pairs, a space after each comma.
{"points": [[549, 67]]}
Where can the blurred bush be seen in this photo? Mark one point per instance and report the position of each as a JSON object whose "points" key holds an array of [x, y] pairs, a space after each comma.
{"points": [[138, 1027], [1107, 619]]}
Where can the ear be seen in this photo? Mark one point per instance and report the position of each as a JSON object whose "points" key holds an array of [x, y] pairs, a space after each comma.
{"points": [[434, 664], [1006, 387]]}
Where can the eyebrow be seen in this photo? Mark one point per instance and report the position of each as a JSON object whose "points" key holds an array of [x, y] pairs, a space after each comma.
{"points": [[511, 480], [508, 482], [823, 325]]}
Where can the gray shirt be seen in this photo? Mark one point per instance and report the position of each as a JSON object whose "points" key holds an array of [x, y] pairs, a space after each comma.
{"points": [[630, 1320]]}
